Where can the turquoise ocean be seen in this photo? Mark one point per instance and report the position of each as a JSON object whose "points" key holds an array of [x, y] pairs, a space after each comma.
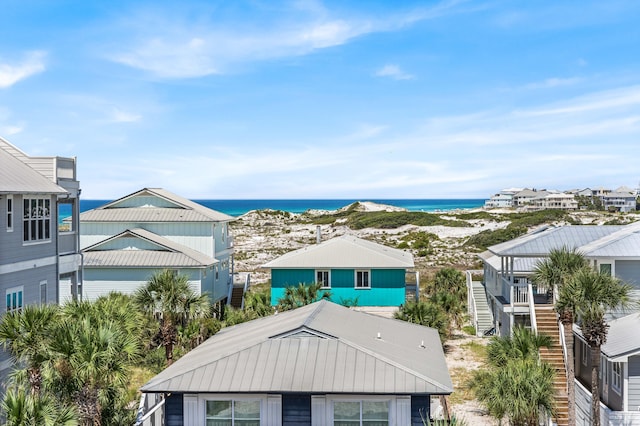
{"points": [[240, 207]]}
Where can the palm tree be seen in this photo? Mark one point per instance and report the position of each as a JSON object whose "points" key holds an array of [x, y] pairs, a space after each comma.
{"points": [[594, 294], [453, 307], [301, 295], [451, 280], [553, 271], [169, 298], [425, 313], [516, 384], [95, 348], [23, 409], [522, 344], [25, 334]]}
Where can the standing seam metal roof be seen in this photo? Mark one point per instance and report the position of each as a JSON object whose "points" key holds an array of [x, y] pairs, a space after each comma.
{"points": [[170, 253], [16, 177], [280, 354], [185, 210], [345, 251]]}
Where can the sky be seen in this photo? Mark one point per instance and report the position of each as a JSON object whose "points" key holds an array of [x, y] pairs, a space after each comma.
{"points": [[310, 99]]}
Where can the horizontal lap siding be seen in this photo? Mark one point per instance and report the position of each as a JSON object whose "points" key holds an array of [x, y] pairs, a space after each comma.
{"points": [[387, 285], [283, 278], [629, 271]]}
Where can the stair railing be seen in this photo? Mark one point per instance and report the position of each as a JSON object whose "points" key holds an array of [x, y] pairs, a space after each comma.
{"points": [[247, 284], [532, 309], [471, 301]]}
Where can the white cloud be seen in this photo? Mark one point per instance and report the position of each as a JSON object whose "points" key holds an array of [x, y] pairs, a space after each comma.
{"points": [[120, 116], [175, 47], [394, 72], [553, 82], [32, 63], [9, 130]]}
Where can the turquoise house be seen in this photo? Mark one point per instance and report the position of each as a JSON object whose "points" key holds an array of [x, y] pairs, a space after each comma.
{"points": [[350, 268]]}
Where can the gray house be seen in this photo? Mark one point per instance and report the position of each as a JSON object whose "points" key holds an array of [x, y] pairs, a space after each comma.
{"points": [[513, 299], [39, 252], [317, 365], [125, 241]]}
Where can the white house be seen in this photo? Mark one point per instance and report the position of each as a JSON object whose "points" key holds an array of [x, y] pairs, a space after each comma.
{"points": [[125, 241]]}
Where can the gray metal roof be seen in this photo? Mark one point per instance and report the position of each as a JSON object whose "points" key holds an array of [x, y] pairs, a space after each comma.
{"points": [[620, 244], [623, 338], [540, 243], [168, 253], [16, 177], [345, 251], [320, 348], [520, 264], [184, 211]]}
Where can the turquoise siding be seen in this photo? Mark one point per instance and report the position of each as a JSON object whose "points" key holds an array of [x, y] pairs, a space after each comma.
{"points": [[387, 285]]}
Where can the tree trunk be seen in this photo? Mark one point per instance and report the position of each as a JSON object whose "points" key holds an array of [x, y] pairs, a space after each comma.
{"points": [[567, 324], [595, 385]]}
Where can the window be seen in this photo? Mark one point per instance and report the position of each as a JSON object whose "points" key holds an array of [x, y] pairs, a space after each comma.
{"points": [[362, 279], [9, 213], [360, 413], [37, 219], [605, 268], [233, 413], [43, 292], [322, 277], [216, 269], [616, 376], [14, 299]]}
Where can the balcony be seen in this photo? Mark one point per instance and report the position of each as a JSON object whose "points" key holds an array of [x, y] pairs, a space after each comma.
{"points": [[67, 243]]}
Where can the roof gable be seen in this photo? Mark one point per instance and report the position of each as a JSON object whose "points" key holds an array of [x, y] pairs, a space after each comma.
{"points": [[346, 251], [140, 248], [280, 353], [16, 177], [153, 205]]}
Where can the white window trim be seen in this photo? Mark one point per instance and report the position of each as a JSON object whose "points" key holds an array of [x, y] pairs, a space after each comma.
{"points": [[12, 290], [203, 398], [355, 279], [331, 399], [617, 388], [326, 285], [11, 213], [50, 218]]}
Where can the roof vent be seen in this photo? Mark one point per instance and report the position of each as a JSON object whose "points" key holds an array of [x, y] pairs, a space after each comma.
{"points": [[379, 336]]}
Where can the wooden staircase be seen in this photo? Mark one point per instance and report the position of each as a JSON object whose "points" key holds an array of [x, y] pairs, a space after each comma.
{"points": [[547, 323], [236, 295]]}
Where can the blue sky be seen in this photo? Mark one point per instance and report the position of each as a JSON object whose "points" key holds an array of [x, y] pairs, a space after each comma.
{"points": [[326, 99]]}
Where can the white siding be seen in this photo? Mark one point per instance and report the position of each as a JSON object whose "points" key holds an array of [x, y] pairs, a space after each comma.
{"points": [[191, 412], [274, 410], [403, 410], [318, 411]]}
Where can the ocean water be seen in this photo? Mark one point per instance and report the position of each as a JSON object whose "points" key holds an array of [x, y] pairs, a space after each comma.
{"points": [[240, 207]]}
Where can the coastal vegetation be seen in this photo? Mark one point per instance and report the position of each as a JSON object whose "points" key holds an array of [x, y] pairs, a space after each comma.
{"points": [[516, 384], [443, 307]]}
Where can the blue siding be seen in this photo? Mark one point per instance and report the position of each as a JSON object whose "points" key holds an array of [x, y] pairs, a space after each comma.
{"points": [[387, 285]]}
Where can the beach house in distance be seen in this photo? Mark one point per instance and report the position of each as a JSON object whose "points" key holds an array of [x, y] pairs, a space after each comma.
{"points": [[39, 253], [353, 270], [127, 240], [508, 295], [321, 364]]}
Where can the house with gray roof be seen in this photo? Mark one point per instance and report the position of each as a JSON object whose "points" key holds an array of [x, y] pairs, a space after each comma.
{"points": [[514, 299], [40, 260], [316, 365], [125, 241], [619, 376], [350, 268]]}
